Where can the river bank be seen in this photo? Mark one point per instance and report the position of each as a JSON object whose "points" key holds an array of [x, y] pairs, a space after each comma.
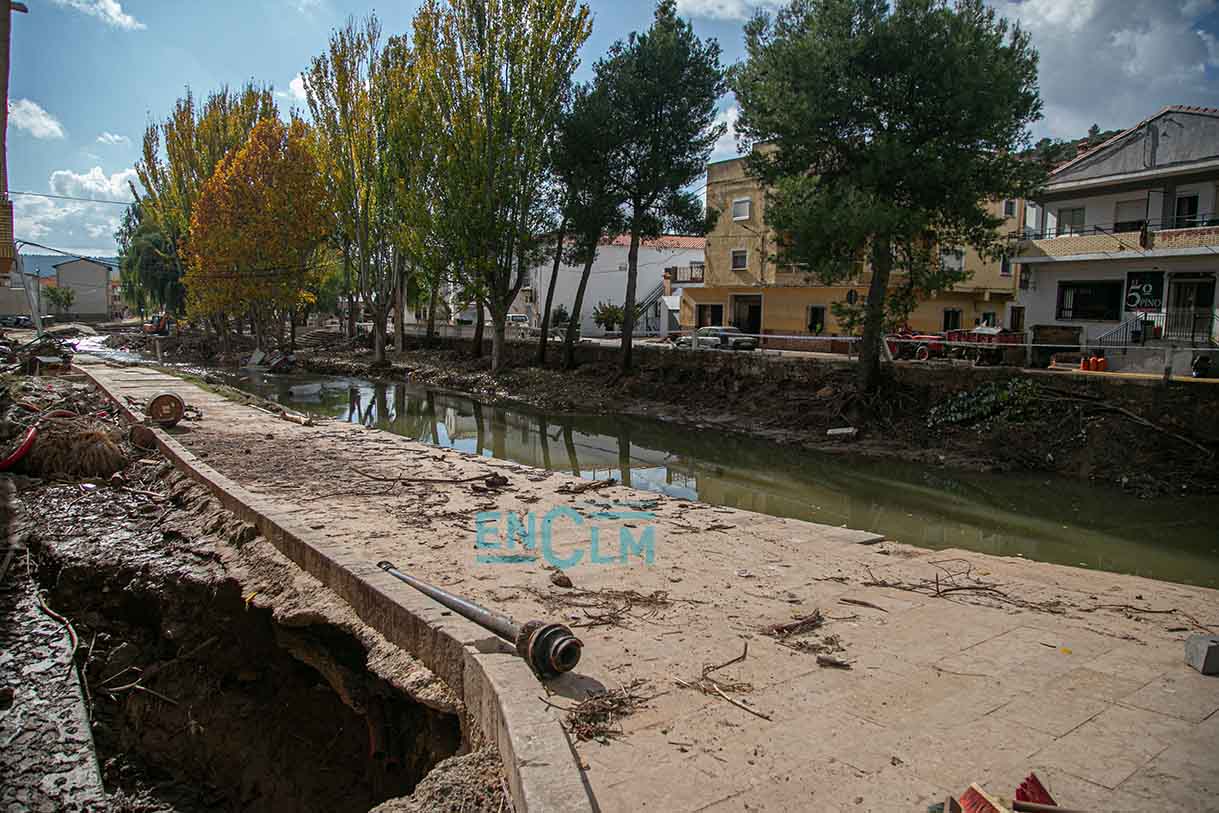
{"points": [[1148, 440]]}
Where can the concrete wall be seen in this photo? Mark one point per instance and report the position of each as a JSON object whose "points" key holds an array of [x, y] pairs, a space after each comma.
{"points": [[606, 281], [91, 281], [1172, 139], [1188, 407]]}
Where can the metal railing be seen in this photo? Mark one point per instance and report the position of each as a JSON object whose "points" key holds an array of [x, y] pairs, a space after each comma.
{"points": [[1125, 227], [690, 273], [1186, 326]]}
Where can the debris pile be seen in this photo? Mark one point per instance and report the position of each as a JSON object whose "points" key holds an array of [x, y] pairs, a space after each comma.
{"points": [[599, 716], [51, 428], [1030, 796]]}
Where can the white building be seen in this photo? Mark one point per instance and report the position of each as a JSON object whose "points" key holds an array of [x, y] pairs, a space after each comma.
{"points": [[681, 256], [1124, 242]]}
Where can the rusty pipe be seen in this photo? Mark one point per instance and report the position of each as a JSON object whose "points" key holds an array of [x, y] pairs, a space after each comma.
{"points": [[549, 648]]}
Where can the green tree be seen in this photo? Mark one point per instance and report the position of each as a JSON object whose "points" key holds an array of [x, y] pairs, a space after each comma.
{"points": [[892, 125], [663, 86], [497, 74], [148, 270], [61, 299], [349, 92], [607, 315], [586, 166]]}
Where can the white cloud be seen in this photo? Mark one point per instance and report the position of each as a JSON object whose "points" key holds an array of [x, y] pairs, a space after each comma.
{"points": [[307, 7], [726, 146], [29, 116], [76, 225], [112, 139], [108, 11], [1115, 62], [296, 89], [725, 9], [94, 184]]}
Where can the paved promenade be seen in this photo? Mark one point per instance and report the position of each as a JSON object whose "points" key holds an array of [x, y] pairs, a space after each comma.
{"points": [[963, 667]]}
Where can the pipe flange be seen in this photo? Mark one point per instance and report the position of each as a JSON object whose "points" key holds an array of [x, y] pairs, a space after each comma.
{"points": [[550, 649]]}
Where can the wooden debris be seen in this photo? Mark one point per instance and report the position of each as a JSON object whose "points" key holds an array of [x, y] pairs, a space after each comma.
{"points": [[598, 717]]}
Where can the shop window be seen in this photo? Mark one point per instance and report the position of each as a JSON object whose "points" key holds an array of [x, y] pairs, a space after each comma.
{"points": [[1099, 300]]}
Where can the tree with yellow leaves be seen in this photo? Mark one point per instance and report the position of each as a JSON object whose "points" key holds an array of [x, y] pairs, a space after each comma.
{"points": [[255, 227]]}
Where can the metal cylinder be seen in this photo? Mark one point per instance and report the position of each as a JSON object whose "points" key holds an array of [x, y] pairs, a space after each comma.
{"points": [[166, 408], [549, 648]]}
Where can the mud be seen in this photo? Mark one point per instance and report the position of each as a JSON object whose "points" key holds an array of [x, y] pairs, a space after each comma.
{"points": [[1061, 433], [216, 675]]}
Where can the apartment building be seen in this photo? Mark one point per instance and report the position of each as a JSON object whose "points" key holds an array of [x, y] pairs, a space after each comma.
{"points": [[745, 287], [1124, 242]]}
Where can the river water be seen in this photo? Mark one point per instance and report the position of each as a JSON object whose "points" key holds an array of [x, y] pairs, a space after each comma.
{"points": [[1040, 517]]}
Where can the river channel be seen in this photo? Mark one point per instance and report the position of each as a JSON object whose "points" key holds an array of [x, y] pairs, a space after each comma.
{"points": [[1039, 517]]}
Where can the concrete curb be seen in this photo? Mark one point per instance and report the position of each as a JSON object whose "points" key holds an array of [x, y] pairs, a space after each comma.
{"points": [[499, 691]]}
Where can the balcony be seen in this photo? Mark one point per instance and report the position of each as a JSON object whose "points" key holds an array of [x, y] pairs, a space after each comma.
{"points": [[691, 274], [1108, 239]]}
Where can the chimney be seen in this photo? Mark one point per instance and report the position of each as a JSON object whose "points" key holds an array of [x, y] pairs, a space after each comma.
{"points": [[1082, 147]]}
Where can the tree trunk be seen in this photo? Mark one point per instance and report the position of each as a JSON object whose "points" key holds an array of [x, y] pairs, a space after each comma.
{"points": [[874, 315], [433, 296], [476, 351], [292, 333], [380, 317], [569, 341], [628, 307], [351, 296], [400, 309], [498, 339], [554, 276]]}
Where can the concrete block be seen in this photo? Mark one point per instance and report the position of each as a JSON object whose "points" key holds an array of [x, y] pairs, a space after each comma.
{"points": [[1202, 653]]}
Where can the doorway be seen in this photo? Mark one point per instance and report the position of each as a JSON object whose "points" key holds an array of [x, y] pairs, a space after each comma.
{"points": [[1191, 303], [1016, 318], [747, 313]]}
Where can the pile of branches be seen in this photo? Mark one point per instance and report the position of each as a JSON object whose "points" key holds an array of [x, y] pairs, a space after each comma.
{"points": [[599, 716], [51, 428]]}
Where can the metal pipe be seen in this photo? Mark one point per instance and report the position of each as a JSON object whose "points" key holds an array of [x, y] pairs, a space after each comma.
{"points": [[549, 648]]}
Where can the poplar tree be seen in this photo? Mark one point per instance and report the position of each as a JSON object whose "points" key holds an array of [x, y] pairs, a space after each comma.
{"points": [[499, 71]]}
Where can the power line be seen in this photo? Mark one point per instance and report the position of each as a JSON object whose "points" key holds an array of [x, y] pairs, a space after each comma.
{"points": [[70, 197]]}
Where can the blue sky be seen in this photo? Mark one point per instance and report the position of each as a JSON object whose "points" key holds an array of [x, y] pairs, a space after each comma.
{"points": [[88, 75]]}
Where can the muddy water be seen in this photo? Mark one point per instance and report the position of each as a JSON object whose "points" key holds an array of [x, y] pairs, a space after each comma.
{"points": [[1038, 517]]}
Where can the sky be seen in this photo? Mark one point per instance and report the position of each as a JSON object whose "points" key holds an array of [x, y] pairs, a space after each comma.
{"points": [[87, 76]]}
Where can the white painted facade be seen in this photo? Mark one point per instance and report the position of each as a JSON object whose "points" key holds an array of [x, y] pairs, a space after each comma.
{"points": [[607, 282], [1124, 242]]}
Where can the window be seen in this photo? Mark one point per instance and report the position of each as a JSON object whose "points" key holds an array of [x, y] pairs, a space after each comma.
{"points": [[740, 259], [989, 319], [1016, 318], [1099, 301], [710, 315], [1005, 267], [952, 319], [1071, 221], [1130, 216], [952, 259], [740, 209], [1187, 212], [816, 319], [1009, 208]]}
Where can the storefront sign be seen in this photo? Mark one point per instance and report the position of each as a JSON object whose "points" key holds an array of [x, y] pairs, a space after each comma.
{"points": [[1145, 291]]}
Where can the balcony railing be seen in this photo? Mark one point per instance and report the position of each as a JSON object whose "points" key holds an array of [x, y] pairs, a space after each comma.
{"points": [[691, 273], [1193, 231], [1186, 326]]}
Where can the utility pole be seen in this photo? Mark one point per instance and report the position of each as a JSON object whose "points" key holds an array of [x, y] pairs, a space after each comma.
{"points": [[8, 249]]}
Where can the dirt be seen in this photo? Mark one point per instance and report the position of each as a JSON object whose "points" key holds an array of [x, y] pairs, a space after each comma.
{"points": [[216, 675], [1062, 434]]}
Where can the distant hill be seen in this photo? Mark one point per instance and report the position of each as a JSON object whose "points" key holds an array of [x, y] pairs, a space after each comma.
{"points": [[43, 265], [1052, 152]]}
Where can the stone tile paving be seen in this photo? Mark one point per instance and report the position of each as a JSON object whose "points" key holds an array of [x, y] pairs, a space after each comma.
{"points": [[1036, 666]]}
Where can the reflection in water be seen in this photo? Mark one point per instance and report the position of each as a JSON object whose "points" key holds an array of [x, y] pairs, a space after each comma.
{"points": [[1043, 518]]}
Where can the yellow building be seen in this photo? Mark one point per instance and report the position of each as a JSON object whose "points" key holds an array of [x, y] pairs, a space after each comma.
{"points": [[744, 287]]}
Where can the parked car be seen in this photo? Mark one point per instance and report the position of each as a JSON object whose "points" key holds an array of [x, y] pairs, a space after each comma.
{"points": [[721, 338]]}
